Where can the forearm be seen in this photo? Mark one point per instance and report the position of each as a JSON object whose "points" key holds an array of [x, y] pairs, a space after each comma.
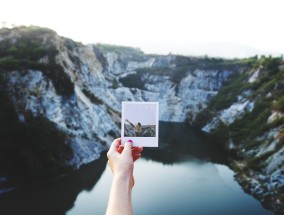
{"points": [[120, 196]]}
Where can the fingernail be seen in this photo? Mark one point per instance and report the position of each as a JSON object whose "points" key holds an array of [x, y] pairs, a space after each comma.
{"points": [[129, 141]]}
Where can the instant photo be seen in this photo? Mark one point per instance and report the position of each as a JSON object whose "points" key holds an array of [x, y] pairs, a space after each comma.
{"points": [[140, 123]]}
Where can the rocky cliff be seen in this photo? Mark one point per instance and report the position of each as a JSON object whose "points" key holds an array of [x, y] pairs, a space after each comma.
{"points": [[247, 115], [80, 87], [53, 86]]}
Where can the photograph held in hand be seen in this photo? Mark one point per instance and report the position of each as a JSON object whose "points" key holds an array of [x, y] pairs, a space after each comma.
{"points": [[140, 123]]}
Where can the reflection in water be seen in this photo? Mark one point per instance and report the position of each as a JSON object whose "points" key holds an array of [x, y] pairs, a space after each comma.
{"points": [[184, 175], [191, 187], [55, 198], [179, 141], [180, 177]]}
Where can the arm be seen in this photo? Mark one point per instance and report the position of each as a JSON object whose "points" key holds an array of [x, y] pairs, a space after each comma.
{"points": [[121, 162]]}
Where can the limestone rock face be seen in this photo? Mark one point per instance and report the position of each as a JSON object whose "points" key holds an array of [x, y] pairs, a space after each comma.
{"points": [[99, 78], [252, 126], [80, 88]]}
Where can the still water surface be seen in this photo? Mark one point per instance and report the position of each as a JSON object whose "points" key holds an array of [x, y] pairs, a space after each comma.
{"points": [[187, 174]]}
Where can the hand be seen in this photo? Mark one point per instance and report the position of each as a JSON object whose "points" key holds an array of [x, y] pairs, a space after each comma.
{"points": [[121, 159]]}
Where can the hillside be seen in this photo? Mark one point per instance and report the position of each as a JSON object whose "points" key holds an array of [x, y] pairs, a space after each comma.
{"points": [[77, 90], [62, 103], [247, 115]]}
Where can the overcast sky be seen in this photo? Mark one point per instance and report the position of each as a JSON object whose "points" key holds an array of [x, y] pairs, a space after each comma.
{"points": [[186, 27], [145, 114]]}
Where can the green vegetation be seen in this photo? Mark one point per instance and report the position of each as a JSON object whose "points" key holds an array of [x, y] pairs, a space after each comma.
{"points": [[251, 124], [33, 149], [184, 65], [279, 104], [266, 93], [256, 163], [207, 63], [255, 145], [70, 44], [271, 65], [229, 92], [26, 51], [203, 117], [133, 54], [118, 49], [133, 81], [227, 95], [189, 64], [155, 70], [223, 133]]}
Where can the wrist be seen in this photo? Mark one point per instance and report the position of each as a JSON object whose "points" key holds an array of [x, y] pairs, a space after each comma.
{"points": [[125, 180], [121, 176]]}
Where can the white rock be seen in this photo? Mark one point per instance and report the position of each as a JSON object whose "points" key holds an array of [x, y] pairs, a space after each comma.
{"points": [[274, 115], [89, 123], [254, 76]]}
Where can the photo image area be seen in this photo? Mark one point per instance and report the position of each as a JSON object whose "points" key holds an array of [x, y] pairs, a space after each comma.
{"points": [[140, 122]]}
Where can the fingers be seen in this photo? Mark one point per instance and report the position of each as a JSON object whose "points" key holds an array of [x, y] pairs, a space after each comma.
{"points": [[120, 149], [134, 149], [136, 153], [137, 149], [116, 149], [136, 156]]}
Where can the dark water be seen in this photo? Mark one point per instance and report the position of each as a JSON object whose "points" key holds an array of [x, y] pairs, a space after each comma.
{"points": [[187, 174]]}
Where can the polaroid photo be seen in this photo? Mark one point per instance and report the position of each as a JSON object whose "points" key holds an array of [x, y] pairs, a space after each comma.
{"points": [[140, 123]]}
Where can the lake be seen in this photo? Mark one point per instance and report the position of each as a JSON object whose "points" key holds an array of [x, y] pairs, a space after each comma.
{"points": [[187, 174]]}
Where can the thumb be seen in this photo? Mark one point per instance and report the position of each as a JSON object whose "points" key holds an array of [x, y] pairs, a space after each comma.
{"points": [[127, 147]]}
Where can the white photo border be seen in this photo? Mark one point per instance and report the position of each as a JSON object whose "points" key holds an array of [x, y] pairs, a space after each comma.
{"points": [[141, 141]]}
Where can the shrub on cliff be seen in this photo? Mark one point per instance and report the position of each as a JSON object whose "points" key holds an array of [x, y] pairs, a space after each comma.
{"points": [[266, 93], [25, 52]]}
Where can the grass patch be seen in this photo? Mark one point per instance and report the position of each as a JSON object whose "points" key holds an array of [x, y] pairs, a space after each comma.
{"points": [[133, 81], [133, 54]]}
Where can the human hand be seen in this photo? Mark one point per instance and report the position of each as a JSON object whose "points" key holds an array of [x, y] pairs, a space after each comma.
{"points": [[121, 159]]}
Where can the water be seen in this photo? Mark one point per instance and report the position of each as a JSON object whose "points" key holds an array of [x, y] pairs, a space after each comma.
{"points": [[185, 175]]}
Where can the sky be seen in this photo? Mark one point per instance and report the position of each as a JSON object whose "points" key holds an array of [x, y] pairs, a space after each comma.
{"points": [[145, 113], [190, 27]]}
